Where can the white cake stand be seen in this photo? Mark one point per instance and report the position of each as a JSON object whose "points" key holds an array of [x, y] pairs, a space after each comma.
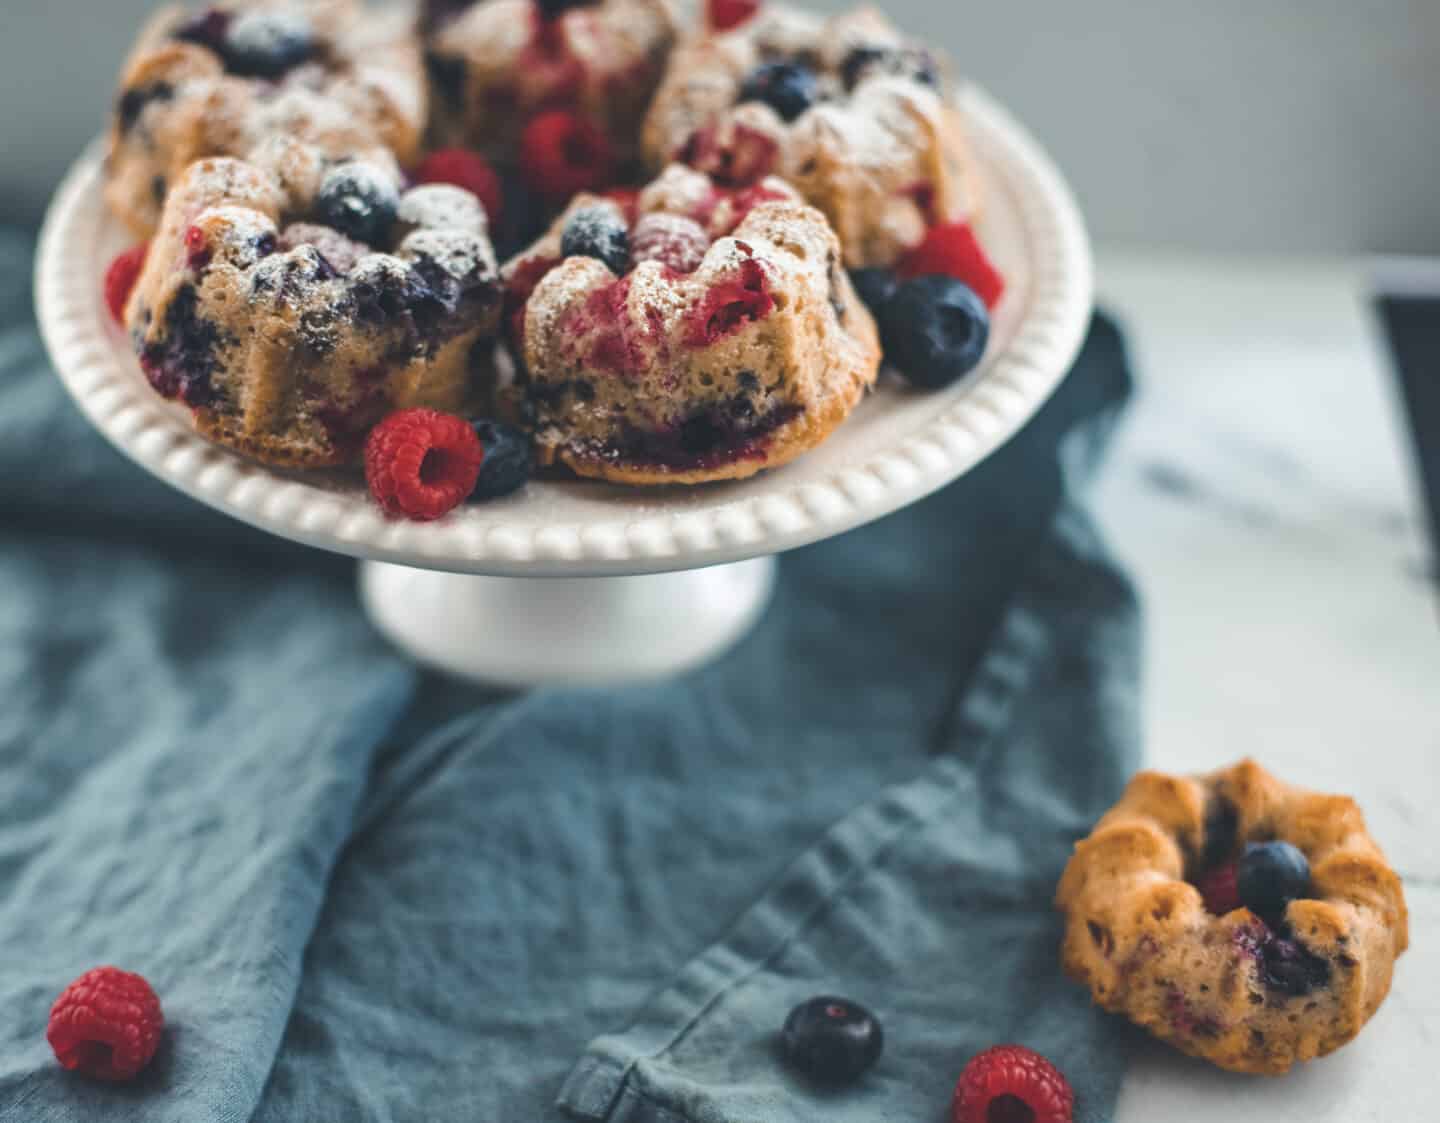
{"points": [[586, 582]]}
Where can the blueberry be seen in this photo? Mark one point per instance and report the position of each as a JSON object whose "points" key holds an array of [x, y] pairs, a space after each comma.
{"points": [[268, 44], [832, 1040], [509, 460], [598, 232], [1289, 968], [360, 201], [1270, 876], [934, 330], [874, 286], [786, 87]]}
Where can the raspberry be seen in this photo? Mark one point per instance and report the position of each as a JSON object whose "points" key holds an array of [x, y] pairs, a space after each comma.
{"points": [[106, 1024], [677, 242], [1011, 1082], [459, 167], [120, 280], [1220, 889], [421, 464], [722, 15], [562, 154], [952, 250]]}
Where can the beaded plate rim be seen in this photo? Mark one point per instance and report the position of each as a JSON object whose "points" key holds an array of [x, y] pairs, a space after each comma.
{"points": [[656, 531]]}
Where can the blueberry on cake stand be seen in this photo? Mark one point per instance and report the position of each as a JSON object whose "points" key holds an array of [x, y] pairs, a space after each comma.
{"points": [[588, 582]]}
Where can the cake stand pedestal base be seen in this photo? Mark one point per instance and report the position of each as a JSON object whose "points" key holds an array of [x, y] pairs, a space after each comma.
{"points": [[542, 631]]}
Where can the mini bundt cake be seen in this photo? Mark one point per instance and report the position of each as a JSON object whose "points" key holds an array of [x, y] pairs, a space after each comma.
{"points": [[495, 64], [861, 121], [692, 333], [290, 327], [1238, 918], [228, 79]]}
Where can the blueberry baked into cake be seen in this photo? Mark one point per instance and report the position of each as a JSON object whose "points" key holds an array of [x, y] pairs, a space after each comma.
{"points": [[226, 79], [862, 121], [291, 328], [704, 334], [321, 182], [1241, 919]]}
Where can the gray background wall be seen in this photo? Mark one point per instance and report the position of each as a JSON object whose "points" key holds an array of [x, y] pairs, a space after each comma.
{"points": [[1274, 125]]}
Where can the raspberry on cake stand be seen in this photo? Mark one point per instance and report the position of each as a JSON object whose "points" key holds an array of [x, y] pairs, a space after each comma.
{"points": [[583, 581]]}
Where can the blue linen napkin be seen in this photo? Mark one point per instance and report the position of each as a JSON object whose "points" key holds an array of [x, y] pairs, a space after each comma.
{"points": [[367, 894]]}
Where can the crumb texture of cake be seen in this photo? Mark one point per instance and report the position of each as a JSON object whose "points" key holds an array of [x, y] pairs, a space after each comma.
{"points": [[1260, 983], [496, 64], [327, 77], [290, 326], [861, 120], [694, 333]]}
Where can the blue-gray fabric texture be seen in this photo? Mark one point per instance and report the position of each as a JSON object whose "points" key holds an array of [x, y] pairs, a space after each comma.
{"points": [[367, 894]]}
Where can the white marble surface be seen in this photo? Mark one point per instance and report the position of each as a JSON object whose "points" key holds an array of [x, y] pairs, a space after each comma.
{"points": [[1261, 493]]}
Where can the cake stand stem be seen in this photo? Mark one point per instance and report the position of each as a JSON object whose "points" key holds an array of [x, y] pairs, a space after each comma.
{"points": [[540, 631]]}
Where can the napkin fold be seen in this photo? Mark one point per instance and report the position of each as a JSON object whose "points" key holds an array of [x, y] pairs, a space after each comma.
{"points": [[368, 894]]}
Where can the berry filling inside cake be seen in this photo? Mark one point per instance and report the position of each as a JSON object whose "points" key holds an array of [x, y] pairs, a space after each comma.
{"points": [[684, 331]]}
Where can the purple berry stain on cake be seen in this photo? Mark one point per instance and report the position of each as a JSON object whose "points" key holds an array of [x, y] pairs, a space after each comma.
{"points": [[181, 367]]}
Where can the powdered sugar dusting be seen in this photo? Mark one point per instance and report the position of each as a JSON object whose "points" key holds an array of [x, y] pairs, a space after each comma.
{"points": [[439, 206]]}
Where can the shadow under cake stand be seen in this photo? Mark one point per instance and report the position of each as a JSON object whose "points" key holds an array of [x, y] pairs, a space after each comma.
{"points": [[583, 582]]}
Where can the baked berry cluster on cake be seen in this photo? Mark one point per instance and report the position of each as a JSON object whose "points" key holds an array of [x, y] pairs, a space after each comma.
{"points": [[323, 183], [1240, 918]]}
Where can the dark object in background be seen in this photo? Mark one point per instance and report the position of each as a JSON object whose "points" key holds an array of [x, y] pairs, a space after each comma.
{"points": [[1413, 326]]}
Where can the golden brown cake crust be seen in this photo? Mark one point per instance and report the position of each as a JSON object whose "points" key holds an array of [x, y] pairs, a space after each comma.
{"points": [[364, 94], [1139, 936], [629, 383], [883, 153]]}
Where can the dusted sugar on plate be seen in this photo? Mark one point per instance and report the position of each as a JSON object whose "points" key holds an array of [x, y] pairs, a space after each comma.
{"points": [[498, 64], [1235, 916], [226, 79], [291, 326], [691, 333], [860, 119]]}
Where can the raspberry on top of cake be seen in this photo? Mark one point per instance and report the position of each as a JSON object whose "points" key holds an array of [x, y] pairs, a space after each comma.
{"points": [[687, 333], [860, 119]]}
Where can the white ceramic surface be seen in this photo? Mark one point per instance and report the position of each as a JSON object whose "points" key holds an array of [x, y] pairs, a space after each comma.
{"points": [[896, 448], [1261, 495]]}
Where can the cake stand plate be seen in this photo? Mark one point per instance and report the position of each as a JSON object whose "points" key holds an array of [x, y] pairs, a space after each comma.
{"points": [[580, 581]]}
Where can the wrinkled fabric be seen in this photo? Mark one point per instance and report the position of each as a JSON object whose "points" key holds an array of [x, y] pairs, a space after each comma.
{"points": [[368, 894]]}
